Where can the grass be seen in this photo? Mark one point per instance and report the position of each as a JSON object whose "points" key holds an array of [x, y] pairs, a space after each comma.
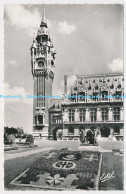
{"points": [[112, 163], [14, 167], [39, 165]]}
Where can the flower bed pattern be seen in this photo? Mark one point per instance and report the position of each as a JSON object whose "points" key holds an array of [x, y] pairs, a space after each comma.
{"points": [[63, 169]]}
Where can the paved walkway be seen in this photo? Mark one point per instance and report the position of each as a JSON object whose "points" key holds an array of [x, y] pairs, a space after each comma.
{"points": [[31, 152], [23, 154], [106, 146]]}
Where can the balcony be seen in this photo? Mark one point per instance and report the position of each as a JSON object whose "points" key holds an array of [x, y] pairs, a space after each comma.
{"points": [[92, 122], [66, 101]]}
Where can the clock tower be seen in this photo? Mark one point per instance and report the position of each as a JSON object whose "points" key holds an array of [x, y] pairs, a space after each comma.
{"points": [[42, 64]]}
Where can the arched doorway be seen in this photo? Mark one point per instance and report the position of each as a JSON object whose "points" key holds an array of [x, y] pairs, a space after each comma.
{"points": [[57, 133], [105, 131]]}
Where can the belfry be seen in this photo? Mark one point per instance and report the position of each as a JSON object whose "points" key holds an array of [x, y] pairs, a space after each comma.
{"points": [[42, 64]]}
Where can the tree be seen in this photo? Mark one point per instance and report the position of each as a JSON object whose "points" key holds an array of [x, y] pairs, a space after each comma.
{"points": [[10, 139], [5, 137], [10, 131], [20, 132], [30, 139]]}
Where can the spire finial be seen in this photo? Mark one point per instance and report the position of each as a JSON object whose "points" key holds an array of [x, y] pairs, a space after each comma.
{"points": [[43, 15]]}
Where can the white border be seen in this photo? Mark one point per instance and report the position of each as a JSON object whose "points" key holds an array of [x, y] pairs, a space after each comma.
{"points": [[2, 2]]}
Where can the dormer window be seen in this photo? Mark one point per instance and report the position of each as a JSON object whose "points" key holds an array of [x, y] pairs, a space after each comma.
{"points": [[112, 86]]}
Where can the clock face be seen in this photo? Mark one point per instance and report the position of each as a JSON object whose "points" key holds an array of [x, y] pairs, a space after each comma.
{"points": [[41, 64]]}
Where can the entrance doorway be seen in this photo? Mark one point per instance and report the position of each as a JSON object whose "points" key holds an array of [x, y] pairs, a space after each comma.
{"points": [[105, 131], [57, 133]]}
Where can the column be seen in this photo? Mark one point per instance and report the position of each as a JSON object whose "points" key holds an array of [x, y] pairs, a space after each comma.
{"points": [[121, 114], [76, 132], [121, 131], [65, 115], [111, 132], [65, 132], [37, 120], [76, 114], [110, 114], [87, 114], [99, 114]]}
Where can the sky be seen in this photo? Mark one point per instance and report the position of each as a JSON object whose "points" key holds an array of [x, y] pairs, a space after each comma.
{"points": [[88, 39]]}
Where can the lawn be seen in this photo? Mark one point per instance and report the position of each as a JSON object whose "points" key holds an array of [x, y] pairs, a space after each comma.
{"points": [[112, 164], [57, 169]]}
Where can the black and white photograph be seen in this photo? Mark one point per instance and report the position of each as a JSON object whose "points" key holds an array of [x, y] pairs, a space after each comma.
{"points": [[63, 69]]}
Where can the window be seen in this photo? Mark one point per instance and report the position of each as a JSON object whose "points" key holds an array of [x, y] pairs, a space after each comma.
{"points": [[104, 95], [82, 96], [116, 114], [82, 114], [116, 130], [40, 119], [71, 115], [104, 114], [56, 119], [118, 95], [70, 130], [95, 96], [93, 114]]}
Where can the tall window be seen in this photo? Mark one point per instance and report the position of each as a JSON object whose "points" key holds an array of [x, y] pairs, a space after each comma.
{"points": [[93, 114], [116, 114], [56, 119], [104, 114], [40, 119], [71, 115], [82, 114]]}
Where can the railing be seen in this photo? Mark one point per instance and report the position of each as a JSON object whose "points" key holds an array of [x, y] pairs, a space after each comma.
{"points": [[95, 122], [66, 101]]}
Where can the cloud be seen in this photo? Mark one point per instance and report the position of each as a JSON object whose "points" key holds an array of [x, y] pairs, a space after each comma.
{"points": [[16, 91], [13, 63], [65, 28], [116, 65], [23, 18]]}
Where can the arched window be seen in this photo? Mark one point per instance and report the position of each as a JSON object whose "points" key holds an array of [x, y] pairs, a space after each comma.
{"points": [[70, 130], [40, 119]]}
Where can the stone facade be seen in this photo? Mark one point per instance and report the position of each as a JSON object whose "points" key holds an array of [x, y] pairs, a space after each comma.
{"points": [[95, 102]]}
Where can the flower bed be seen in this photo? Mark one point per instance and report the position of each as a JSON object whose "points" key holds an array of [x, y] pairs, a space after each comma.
{"points": [[63, 169]]}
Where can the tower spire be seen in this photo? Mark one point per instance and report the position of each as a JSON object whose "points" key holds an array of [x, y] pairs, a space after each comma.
{"points": [[43, 15]]}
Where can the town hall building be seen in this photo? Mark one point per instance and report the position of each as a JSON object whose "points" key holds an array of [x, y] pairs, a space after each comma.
{"points": [[94, 102]]}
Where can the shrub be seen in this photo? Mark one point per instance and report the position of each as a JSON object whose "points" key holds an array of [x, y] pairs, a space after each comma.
{"points": [[30, 139], [10, 138], [10, 148]]}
